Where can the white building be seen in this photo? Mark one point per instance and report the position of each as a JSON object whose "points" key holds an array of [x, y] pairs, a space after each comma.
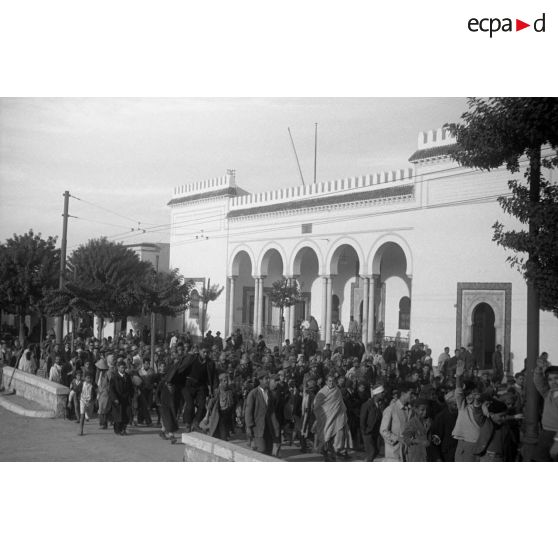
{"points": [[409, 248]]}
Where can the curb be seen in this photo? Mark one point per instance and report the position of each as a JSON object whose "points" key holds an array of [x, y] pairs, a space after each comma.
{"points": [[19, 410]]}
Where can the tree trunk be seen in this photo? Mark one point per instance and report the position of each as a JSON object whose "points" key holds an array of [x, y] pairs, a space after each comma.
{"points": [[532, 397], [152, 333], [41, 331], [21, 329], [101, 326], [281, 322]]}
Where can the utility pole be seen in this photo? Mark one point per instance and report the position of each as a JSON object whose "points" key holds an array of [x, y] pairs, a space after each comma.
{"points": [[152, 322], [60, 319]]}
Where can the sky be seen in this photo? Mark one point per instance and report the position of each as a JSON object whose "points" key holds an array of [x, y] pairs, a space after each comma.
{"points": [[123, 157]]}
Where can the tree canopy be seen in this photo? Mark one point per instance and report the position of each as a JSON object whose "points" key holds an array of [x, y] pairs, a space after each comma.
{"points": [[165, 293], [283, 295], [108, 278], [29, 266], [507, 131]]}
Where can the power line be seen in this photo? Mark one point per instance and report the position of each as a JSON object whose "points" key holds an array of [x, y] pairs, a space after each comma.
{"points": [[164, 226], [100, 222], [200, 220], [135, 221]]}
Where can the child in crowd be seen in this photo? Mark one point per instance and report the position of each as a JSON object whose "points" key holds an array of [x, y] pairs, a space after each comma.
{"points": [[220, 410], [86, 401], [497, 439], [292, 414], [74, 396], [416, 435]]}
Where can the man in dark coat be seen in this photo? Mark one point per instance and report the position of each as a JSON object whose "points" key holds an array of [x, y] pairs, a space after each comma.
{"points": [[370, 421], [258, 415], [443, 444], [200, 381], [121, 390]]}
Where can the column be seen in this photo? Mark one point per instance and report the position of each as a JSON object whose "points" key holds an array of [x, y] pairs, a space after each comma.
{"points": [[292, 332], [259, 304], [288, 318], [365, 309], [329, 291], [257, 320], [372, 294], [232, 282], [324, 308]]}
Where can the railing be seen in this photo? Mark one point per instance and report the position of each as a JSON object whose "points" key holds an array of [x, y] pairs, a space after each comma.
{"points": [[401, 343], [272, 335]]}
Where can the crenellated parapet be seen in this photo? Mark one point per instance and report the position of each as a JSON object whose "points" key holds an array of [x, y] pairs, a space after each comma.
{"points": [[433, 144], [210, 185], [323, 189]]}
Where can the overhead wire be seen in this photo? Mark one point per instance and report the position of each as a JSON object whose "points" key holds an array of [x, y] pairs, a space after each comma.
{"points": [[177, 225], [319, 221]]}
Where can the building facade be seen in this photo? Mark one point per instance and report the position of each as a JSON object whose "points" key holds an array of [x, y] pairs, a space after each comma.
{"points": [[407, 253]]}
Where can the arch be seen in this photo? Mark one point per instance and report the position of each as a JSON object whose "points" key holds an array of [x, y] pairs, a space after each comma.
{"points": [[377, 250], [293, 266], [263, 253], [489, 301], [232, 268], [345, 240]]}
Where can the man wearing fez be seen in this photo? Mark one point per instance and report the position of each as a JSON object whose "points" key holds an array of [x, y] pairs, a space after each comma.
{"points": [[370, 420]]}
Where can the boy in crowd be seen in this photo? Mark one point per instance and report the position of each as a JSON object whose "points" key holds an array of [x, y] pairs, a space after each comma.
{"points": [[497, 440], [545, 379]]}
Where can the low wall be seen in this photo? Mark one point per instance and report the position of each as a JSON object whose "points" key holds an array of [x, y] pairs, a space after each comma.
{"points": [[200, 447], [50, 395]]}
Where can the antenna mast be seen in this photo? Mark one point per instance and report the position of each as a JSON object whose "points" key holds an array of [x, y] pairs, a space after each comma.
{"points": [[296, 156], [315, 149]]}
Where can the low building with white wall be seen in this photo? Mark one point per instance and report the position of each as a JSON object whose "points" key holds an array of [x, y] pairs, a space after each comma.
{"points": [[409, 251]]}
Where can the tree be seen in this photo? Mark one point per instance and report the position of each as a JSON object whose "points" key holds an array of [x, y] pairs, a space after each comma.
{"points": [[505, 131], [207, 295], [29, 264], [108, 277], [69, 300], [164, 293], [284, 294]]}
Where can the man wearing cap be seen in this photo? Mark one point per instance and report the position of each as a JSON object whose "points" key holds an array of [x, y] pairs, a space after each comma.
{"points": [[259, 429], [121, 390], [370, 420], [103, 395]]}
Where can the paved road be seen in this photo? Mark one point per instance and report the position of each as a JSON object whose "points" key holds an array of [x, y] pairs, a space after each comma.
{"points": [[31, 439]]}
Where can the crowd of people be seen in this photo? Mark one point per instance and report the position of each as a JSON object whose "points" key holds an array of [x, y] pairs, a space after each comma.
{"points": [[388, 403]]}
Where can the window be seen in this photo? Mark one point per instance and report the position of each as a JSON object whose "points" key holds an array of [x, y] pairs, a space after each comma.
{"points": [[405, 313], [306, 228], [195, 305]]}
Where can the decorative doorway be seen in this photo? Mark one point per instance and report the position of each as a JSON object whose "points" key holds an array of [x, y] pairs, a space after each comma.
{"points": [[483, 318]]}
